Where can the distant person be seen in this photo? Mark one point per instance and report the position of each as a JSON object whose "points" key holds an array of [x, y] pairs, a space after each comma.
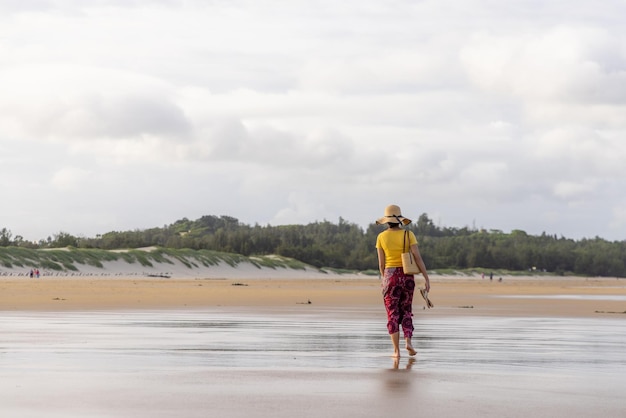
{"points": [[490, 276], [397, 287], [31, 273]]}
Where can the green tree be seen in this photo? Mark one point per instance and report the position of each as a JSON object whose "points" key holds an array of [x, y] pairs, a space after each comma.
{"points": [[5, 237]]}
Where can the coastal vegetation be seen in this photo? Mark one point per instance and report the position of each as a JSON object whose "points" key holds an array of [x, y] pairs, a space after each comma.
{"points": [[70, 259], [341, 246]]}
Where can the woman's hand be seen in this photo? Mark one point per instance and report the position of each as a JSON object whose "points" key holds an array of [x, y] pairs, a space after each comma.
{"points": [[421, 265]]}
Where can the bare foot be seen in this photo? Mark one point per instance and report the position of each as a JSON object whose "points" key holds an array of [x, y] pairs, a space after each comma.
{"points": [[396, 354], [411, 350]]}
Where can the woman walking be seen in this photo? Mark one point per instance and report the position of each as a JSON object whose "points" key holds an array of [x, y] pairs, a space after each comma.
{"points": [[398, 287]]}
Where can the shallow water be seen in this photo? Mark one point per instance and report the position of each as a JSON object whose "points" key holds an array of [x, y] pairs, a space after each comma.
{"points": [[183, 363]]}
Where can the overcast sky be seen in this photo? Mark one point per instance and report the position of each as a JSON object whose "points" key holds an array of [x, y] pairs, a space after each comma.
{"points": [[132, 114]]}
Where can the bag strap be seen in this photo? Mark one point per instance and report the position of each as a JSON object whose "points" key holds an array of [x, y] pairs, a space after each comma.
{"points": [[406, 234]]}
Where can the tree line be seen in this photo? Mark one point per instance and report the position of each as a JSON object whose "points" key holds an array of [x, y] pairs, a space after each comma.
{"points": [[345, 245]]}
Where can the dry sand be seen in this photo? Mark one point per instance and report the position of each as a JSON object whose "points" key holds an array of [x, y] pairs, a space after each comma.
{"points": [[527, 296]]}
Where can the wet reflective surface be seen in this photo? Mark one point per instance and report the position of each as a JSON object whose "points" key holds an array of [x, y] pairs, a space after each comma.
{"points": [[187, 363]]}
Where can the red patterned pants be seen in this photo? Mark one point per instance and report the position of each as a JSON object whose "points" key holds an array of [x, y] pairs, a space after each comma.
{"points": [[398, 291]]}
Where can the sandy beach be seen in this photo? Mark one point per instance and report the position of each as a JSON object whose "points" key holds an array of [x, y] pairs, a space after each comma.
{"points": [[527, 296], [311, 347]]}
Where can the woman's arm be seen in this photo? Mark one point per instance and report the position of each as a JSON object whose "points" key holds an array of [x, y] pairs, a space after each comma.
{"points": [[420, 264], [381, 261]]}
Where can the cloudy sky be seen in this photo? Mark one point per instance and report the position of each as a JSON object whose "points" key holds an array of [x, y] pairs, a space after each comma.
{"points": [[131, 114]]}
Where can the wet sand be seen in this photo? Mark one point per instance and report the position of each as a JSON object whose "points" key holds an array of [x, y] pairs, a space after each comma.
{"points": [[306, 361], [228, 348]]}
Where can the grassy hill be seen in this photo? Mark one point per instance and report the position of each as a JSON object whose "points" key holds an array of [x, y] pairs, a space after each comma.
{"points": [[75, 259]]}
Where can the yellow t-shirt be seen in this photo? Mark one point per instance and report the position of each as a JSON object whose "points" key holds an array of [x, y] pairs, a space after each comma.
{"points": [[392, 242]]}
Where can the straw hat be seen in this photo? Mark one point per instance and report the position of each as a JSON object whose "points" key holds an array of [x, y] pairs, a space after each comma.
{"points": [[393, 214]]}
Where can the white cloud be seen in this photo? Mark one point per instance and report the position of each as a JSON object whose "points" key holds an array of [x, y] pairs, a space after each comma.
{"points": [[299, 111], [563, 63], [574, 191], [70, 179], [77, 103], [618, 219], [301, 207]]}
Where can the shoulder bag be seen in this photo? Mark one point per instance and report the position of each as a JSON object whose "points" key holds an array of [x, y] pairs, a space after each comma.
{"points": [[408, 261]]}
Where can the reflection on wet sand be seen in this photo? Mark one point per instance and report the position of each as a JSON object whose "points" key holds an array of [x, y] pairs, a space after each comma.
{"points": [[396, 363], [226, 362], [398, 379]]}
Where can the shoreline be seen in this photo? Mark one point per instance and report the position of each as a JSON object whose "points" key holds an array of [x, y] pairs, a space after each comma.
{"points": [[451, 295]]}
